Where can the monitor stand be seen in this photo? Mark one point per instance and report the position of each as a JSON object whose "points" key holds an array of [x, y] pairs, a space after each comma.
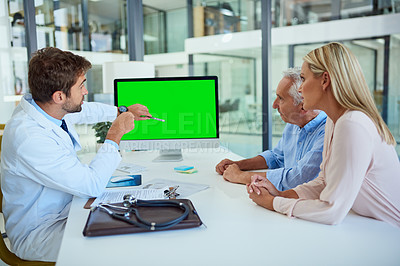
{"points": [[169, 156]]}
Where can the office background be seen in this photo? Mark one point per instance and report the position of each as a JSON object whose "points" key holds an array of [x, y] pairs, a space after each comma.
{"points": [[246, 43]]}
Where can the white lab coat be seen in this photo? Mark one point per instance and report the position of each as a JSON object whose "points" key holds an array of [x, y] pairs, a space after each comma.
{"points": [[41, 172]]}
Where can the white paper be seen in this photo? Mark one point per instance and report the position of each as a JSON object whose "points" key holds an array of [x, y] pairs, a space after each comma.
{"points": [[184, 189], [114, 196]]}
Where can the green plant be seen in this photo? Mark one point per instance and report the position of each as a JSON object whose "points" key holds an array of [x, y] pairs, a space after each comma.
{"points": [[101, 129]]}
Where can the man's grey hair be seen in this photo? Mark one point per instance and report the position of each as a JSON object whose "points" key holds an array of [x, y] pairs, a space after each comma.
{"points": [[293, 74]]}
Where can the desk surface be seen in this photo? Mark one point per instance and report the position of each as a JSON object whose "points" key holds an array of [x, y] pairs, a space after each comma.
{"points": [[238, 231]]}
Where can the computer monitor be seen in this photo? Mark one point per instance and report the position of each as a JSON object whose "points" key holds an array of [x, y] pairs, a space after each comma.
{"points": [[188, 106]]}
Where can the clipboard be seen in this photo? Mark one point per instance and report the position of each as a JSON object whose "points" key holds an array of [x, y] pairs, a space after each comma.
{"points": [[88, 203], [99, 223], [169, 193]]}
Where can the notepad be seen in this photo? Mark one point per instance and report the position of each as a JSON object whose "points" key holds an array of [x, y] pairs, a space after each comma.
{"points": [[183, 168], [184, 190]]}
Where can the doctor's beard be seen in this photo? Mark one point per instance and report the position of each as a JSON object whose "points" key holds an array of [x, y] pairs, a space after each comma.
{"points": [[70, 107]]}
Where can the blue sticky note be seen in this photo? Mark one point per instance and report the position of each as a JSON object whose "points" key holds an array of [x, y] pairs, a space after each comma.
{"points": [[135, 181], [183, 168]]}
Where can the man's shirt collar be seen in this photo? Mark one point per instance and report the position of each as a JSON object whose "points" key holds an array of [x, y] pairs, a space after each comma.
{"points": [[310, 126]]}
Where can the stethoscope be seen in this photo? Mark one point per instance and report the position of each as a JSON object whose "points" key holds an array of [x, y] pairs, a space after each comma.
{"points": [[129, 207]]}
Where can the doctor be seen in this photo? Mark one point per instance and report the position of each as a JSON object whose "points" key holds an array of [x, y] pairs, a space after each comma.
{"points": [[39, 165]]}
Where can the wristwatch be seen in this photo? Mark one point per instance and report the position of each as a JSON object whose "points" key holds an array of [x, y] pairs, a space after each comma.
{"points": [[122, 109]]}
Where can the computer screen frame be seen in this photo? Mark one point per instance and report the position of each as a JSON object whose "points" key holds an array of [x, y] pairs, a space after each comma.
{"points": [[175, 143]]}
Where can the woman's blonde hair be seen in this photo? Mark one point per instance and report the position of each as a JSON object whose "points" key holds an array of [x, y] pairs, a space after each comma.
{"points": [[348, 83]]}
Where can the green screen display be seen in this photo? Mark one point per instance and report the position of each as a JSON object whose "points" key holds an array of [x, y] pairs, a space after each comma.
{"points": [[188, 106]]}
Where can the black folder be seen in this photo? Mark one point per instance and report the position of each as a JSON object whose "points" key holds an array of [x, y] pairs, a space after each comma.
{"points": [[100, 223]]}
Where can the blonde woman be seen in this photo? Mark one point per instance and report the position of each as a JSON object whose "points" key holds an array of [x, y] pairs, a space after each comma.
{"points": [[360, 169]]}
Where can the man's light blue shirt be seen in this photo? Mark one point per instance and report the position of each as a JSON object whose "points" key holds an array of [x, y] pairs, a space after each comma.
{"points": [[297, 157], [58, 123]]}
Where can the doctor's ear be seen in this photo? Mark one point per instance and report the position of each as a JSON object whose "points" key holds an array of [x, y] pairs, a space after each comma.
{"points": [[59, 97]]}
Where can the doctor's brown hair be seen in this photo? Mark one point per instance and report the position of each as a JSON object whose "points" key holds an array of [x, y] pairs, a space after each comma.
{"points": [[51, 70]]}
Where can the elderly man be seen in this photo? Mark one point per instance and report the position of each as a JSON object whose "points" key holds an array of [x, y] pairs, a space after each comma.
{"points": [[298, 155]]}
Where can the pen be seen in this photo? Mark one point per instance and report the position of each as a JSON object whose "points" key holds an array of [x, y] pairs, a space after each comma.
{"points": [[158, 119]]}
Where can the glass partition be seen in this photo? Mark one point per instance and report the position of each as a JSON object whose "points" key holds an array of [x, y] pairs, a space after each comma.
{"points": [[294, 12], [98, 26], [212, 17], [165, 26], [14, 52], [239, 96], [360, 8], [165, 30], [13, 59], [154, 24], [176, 29]]}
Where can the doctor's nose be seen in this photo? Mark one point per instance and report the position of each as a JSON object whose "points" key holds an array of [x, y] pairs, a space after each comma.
{"points": [[84, 91]]}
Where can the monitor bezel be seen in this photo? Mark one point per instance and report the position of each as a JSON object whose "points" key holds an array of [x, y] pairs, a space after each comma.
{"points": [[178, 143]]}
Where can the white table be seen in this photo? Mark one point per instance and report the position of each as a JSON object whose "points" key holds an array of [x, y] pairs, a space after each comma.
{"points": [[238, 231]]}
